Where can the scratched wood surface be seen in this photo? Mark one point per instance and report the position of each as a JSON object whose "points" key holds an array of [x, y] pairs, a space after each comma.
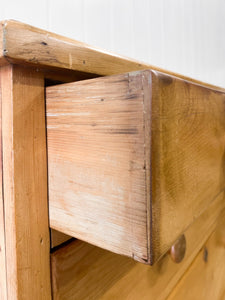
{"points": [[83, 271], [21, 43], [101, 195], [132, 161]]}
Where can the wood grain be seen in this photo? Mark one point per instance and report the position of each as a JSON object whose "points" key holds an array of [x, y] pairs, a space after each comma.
{"points": [[21, 43], [187, 155], [205, 278], [134, 159], [25, 184], [96, 162], [82, 271], [3, 286]]}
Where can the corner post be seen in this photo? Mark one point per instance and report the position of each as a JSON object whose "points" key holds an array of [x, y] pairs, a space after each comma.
{"points": [[24, 167]]}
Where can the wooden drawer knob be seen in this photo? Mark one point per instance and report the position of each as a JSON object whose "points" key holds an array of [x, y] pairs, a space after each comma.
{"points": [[177, 251]]}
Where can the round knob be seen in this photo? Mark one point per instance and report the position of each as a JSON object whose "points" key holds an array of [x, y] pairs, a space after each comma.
{"points": [[177, 251]]}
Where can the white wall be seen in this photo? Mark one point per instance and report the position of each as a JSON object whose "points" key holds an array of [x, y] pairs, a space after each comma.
{"points": [[185, 36]]}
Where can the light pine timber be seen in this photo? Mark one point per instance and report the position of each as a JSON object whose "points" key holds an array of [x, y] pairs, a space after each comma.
{"points": [[25, 184], [98, 198], [187, 155], [25, 44], [83, 271], [205, 279], [133, 159], [3, 288]]}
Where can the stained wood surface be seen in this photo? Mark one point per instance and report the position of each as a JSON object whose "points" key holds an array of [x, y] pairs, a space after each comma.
{"points": [[132, 161], [82, 271], [26, 44], [205, 278], [3, 287], [25, 184], [97, 167]]}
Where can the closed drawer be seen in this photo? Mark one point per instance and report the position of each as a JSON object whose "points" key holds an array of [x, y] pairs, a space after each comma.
{"points": [[133, 159], [205, 278], [83, 271]]}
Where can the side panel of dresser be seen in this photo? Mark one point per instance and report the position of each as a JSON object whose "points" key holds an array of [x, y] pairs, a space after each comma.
{"points": [[97, 144]]}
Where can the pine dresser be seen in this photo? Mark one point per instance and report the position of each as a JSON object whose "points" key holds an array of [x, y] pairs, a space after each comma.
{"points": [[112, 175]]}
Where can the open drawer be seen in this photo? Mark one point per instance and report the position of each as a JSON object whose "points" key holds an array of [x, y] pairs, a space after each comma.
{"points": [[134, 162], [133, 159]]}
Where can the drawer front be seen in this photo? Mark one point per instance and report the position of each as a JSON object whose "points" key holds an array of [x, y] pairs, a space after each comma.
{"points": [[133, 159], [83, 271], [205, 279]]}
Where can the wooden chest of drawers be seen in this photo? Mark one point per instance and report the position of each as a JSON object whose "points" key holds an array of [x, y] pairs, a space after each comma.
{"points": [[125, 157]]}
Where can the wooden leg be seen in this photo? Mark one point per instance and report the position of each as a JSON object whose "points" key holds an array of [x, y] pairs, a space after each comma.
{"points": [[24, 168], [3, 290]]}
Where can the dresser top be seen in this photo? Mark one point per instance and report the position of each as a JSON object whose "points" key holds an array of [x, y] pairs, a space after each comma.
{"points": [[22, 43]]}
